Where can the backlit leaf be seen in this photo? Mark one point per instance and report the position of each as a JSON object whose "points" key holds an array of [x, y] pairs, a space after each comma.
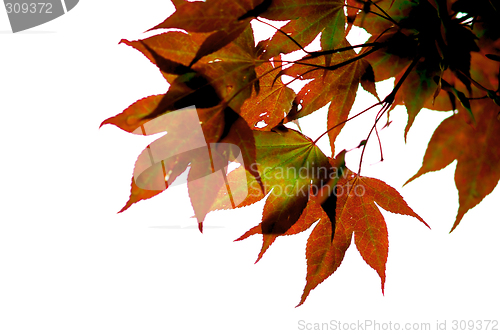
{"points": [[308, 19], [289, 164], [271, 103], [477, 151]]}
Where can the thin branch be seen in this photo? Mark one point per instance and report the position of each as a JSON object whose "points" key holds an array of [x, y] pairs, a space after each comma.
{"points": [[351, 60], [372, 12], [316, 54], [284, 33], [478, 98], [336, 66], [388, 17]]}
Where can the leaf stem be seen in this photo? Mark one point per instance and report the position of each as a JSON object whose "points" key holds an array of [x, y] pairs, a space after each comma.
{"points": [[380, 145], [347, 120], [389, 99], [378, 117], [477, 84]]}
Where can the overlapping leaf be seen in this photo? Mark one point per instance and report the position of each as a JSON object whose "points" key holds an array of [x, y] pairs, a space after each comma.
{"points": [[308, 19], [225, 75], [227, 19], [207, 16], [416, 90], [232, 69], [273, 100], [186, 143], [289, 164], [175, 47], [242, 187], [388, 14], [337, 87]]}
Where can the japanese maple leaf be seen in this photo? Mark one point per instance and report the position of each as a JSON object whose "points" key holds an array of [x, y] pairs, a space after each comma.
{"points": [[232, 69], [308, 19], [357, 216], [289, 163], [210, 15], [416, 90], [476, 149], [423, 89]]}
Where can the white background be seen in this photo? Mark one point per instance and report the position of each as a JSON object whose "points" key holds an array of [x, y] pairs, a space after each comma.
{"points": [[70, 264]]}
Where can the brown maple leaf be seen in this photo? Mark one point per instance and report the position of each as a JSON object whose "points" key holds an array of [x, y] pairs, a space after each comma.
{"points": [[476, 149], [357, 216], [226, 19]]}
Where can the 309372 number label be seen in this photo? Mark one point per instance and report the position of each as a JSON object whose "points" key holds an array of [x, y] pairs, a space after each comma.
{"points": [[29, 8], [488, 325]]}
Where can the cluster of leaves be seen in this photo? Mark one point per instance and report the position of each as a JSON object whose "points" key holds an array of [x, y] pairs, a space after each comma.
{"points": [[443, 54]]}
